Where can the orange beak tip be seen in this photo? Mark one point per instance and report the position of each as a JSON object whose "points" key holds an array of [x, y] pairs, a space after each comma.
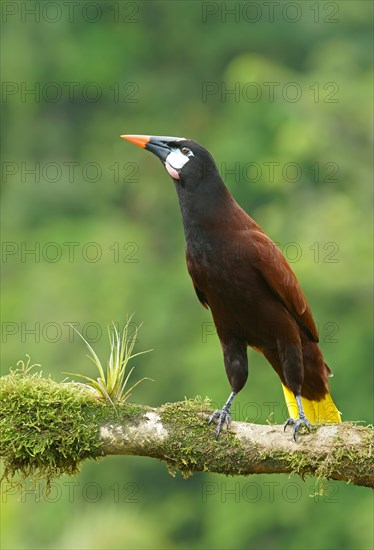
{"points": [[140, 141]]}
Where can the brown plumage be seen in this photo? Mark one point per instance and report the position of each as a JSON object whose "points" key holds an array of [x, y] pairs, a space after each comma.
{"points": [[243, 278]]}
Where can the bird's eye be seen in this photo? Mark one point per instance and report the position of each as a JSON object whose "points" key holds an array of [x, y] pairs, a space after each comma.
{"points": [[185, 150]]}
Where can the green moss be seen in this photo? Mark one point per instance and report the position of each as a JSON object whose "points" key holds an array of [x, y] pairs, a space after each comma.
{"points": [[343, 456], [47, 428], [200, 450], [298, 462]]}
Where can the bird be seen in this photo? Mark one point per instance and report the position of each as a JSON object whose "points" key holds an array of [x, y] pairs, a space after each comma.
{"points": [[244, 279]]}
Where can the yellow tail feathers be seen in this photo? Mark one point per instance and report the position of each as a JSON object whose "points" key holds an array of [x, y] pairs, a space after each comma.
{"points": [[315, 411]]}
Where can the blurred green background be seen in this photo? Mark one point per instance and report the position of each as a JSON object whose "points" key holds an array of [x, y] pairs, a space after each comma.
{"points": [[281, 96]]}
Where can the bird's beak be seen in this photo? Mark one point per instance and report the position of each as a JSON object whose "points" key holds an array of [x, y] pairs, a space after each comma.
{"points": [[159, 145]]}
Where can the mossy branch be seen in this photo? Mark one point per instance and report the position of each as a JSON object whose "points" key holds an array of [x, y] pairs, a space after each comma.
{"points": [[48, 428]]}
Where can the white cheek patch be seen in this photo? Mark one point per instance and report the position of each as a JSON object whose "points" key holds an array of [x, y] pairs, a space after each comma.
{"points": [[176, 159], [175, 162]]}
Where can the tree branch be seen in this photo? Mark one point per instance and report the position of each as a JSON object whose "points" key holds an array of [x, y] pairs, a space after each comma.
{"points": [[339, 451], [48, 429]]}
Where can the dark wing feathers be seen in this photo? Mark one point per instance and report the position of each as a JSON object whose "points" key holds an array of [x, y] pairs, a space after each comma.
{"points": [[262, 254], [277, 273]]}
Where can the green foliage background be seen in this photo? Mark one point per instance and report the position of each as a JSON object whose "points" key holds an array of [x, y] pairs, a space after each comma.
{"points": [[163, 59]]}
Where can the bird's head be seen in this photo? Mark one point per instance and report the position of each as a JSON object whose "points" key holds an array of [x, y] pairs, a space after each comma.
{"points": [[187, 162]]}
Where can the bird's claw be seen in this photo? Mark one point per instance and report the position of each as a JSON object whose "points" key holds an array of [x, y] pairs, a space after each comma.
{"points": [[223, 416], [298, 425]]}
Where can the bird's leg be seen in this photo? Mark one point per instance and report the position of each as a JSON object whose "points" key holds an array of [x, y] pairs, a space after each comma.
{"points": [[223, 415], [291, 357], [299, 423], [236, 365]]}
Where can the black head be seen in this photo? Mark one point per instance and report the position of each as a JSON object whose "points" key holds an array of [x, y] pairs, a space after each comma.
{"points": [[187, 162], [202, 194]]}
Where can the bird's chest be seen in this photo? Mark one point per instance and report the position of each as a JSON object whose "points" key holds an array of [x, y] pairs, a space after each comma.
{"points": [[219, 269], [208, 260], [232, 286]]}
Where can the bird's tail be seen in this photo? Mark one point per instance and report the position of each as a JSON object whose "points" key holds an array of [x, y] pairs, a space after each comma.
{"points": [[315, 411]]}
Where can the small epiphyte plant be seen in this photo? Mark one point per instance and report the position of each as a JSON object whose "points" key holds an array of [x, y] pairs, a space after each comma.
{"points": [[112, 382]]}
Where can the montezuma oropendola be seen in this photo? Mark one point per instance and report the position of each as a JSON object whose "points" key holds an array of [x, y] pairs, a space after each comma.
{"points": [[243, 277]]}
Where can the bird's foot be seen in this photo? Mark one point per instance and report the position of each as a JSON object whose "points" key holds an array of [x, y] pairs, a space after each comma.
{"points": [[223, 416], [298, 424]]}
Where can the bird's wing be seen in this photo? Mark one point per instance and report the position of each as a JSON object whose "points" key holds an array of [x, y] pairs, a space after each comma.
{"points": [[277, 273]]}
